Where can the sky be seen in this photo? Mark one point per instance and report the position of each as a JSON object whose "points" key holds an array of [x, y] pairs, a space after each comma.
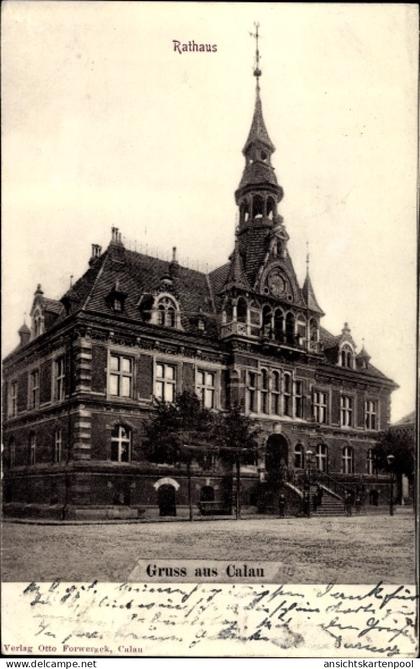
{"points": [[105, 124]]}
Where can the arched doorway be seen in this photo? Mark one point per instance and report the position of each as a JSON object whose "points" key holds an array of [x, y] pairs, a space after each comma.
{"points": [[166, 500], [276, 457]]}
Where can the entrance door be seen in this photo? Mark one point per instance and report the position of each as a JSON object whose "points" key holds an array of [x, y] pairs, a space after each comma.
{"points": [[276, 457], [166, 500]]}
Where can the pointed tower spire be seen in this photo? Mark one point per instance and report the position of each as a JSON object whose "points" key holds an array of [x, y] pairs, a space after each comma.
{"points": [[307, 289], [259, 192]]}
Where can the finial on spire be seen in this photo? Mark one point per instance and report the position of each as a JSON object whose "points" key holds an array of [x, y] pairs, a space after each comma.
{"points": [[71, 280], [307, 257], [257, 71]]}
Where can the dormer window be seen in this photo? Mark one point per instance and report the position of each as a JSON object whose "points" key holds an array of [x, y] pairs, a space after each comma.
{"points": [[116, 298], [346, 357], [37, 323], [167, 312]]}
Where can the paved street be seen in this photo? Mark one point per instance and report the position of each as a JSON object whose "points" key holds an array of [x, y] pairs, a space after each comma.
{"points": [[317, 550]]}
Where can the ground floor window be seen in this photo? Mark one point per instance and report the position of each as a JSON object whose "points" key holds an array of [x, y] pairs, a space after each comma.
{"points": [[370, 461], [299, 456], [321, 456], [347, 460], [121, 444]]}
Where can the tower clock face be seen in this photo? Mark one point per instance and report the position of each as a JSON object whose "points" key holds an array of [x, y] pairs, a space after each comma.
{"points": [[276, 283]]}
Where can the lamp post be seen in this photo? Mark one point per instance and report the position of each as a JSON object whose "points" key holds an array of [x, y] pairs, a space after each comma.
{"points": [[308, 492], [390, 459]]}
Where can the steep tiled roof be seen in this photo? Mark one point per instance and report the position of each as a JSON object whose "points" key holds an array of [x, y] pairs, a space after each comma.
{"points": [[54, 306], [257, 173], [254, 246], [329, 340], [137, 274], [258, 131], [79, 292], [409, 419]]}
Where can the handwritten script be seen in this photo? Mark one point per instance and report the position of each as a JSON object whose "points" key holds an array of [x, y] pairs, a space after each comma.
{"points": [[209, 619]]}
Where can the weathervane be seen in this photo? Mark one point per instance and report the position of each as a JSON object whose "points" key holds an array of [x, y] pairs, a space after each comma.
{"points": [[257, 71]]}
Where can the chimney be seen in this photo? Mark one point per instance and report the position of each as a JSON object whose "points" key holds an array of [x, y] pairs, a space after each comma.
{"points": [[95, 254], [173, 265]]}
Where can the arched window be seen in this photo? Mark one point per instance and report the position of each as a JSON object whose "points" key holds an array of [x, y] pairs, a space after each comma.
{"points": [[299, 457], [37, 323], [242, 310], [257, 207], [254, 319], [321, 456], [166, 312], [121, 444], [370, 462], [228, 310], [267, 321], [271, 208], [264, 392], [290, 328], [313, 332], [347, 460], [278, 325], [346, 356], [301, 330]]}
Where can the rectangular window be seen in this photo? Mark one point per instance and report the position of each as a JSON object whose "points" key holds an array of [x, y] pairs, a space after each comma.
{"points": [[32, 449], [370, 414], [346, 411], [59, 378], [206, 388], [165, 382], [298, 399], [120, 375], [58, 446], [13, 399], [275, 394], [252, 392], [319, 406], [287, 395], [264, 392], [34, 389]]}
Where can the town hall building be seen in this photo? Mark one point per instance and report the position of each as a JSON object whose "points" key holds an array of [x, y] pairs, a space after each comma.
{"points": [[81, 384]]}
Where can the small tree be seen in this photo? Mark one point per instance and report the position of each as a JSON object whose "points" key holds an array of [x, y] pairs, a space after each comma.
{"points": [[167, 429], [236, 438], [400, 444], [178, 432]]}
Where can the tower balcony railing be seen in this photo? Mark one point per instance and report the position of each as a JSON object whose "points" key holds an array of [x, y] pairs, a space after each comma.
{"points": [[235, 328], [266, 335]]}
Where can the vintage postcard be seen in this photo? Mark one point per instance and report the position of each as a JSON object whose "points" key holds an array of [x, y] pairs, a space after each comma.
{"points": [[209, 308]]}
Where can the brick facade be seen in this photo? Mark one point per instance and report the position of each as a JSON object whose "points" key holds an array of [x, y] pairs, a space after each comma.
{"points": [[134, 327]]}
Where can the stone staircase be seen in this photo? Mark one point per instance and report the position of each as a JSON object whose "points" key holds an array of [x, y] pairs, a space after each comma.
{"points": [[331, 503]]}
